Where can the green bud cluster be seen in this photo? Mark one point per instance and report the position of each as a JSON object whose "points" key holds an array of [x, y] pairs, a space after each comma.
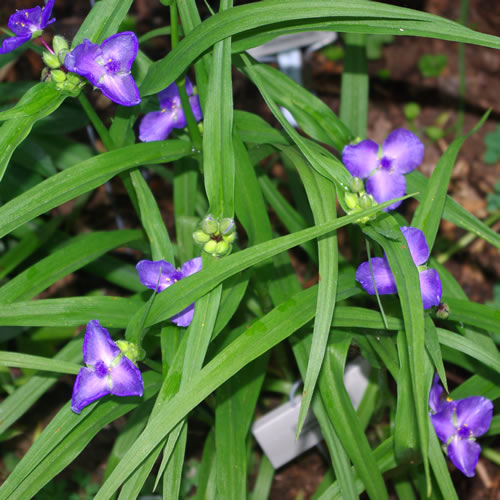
{"points": [[357, 199], [216, 235], [132, 351]]}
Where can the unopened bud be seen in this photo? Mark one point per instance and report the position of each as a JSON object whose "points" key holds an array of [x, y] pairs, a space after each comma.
{"points": [[58, 76], [222, 248], [209, 225], [351, 200], [229, 238], [210, 246], [365, 202], [227, 226], [443, 311], [200, 237], [356, 185], [132, 351], [51, 60], [59, 43]]}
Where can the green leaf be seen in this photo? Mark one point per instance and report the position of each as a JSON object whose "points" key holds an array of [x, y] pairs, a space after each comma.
{"points": [[355, 85], [72, 256], [474, 314], [102, 21], [430, 209], [20, 360], [359, 16], [84, 177]]}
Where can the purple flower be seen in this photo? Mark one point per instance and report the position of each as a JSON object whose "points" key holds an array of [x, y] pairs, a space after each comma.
{"points": [[160, 274], [157, 125], [107, 66], [384, 168], [430, 283], [108, 371], [25, 24], [458, 423]]}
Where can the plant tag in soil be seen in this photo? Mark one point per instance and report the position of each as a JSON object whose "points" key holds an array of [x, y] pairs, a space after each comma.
{"points": [[275, 431]]}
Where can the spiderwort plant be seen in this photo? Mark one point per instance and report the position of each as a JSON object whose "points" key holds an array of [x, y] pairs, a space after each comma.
{"points": [[108, 370], [157, 125], [384, 166], [107, 66], [160, 274], [383, 279], [458, 423], [27, 24]]}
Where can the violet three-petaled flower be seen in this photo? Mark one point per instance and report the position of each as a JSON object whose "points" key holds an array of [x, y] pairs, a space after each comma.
{"points": [[108, 371], [25, 24], [458, 423], [157, 125], [430, 283], [107, 66], [384, 168], [160, 274]]}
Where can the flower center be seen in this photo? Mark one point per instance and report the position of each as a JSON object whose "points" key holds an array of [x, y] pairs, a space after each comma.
{"points": [[464, 432], [386, 163], [112, 66], [101, 370], [175, 277]]}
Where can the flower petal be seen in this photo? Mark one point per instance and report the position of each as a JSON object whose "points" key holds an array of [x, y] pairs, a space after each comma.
{"points": [[88, 388], [435, 394], [121, 48], [361, 159], [189, 86], [384, 185], [464, 454], [149, 271], [405, 149], [156, 126], [185, 317], [46, 13], [417, 244], [12, 43], [430, 287], [194, 101], [126, 379], [166, 96], [382, 275], [443, 423], [191, 266], [83, 61], [120, 88], [98, 345], [25, 22], [475, 413]]}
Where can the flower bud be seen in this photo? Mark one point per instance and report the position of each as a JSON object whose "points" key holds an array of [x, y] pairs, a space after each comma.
{"points": [[58, 76], [209, 225], [51, 60], [200, 237], [132, 351], [229, 238], [356, 185], [227, 226], [210, 246], [351, 200], [222, 248], [59, 43], [365, 202], [443, 311]]}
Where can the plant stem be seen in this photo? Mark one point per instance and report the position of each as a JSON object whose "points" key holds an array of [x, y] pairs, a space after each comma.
{"points": [[174, 26], [96, 122]]}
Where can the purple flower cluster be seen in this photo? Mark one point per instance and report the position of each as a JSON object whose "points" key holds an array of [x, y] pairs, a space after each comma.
{"points": [[157, 125], [458, 423], [160, 274], [383, 279], [108, 371], [26, 24], [384, 167]]}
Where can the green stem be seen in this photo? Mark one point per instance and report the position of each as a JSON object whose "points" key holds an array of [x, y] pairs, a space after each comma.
{"points": [[194, 131], [96, 122], [466, 240]]}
